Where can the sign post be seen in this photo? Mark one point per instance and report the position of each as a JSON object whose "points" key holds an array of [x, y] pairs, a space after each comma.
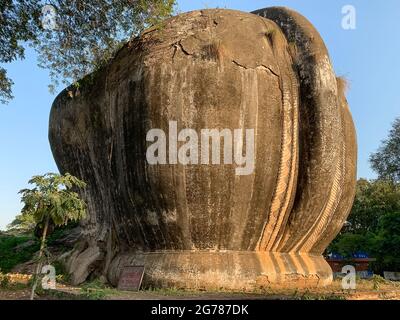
{"points": [[131, 278]]}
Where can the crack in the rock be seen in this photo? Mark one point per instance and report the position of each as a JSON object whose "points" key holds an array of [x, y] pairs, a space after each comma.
{"points": [[183, 49], [178, 45], [239, 65], [269, 69], [258, 67]]}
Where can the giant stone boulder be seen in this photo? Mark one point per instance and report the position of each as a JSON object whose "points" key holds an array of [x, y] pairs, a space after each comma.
{"points": [[204, 226]]}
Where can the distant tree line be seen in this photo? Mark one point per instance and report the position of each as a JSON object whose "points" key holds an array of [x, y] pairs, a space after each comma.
{"points": [[374, 223]]}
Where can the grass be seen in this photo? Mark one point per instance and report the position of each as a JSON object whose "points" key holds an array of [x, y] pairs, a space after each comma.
{"points": [[10, 257], [378, 281], [96, 290], [282, 293], [270, 34], [61, 272], [170, 291], [342, 84], [6, 283], [308, 295]]}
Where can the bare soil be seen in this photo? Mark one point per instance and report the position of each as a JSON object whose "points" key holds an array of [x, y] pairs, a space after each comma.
{"points": [[366, 290]]}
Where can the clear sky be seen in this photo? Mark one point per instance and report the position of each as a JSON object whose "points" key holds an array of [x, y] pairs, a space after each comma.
{"points": [[368, 56]]}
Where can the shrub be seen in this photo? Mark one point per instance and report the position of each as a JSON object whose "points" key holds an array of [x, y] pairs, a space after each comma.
{"points": [[4, 281], [10, 257]]}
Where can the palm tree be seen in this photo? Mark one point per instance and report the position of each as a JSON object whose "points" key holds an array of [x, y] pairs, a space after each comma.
{"points": [[53, 199]]}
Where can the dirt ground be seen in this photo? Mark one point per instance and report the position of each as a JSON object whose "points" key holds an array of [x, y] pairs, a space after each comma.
{"points": [[365, 290]]}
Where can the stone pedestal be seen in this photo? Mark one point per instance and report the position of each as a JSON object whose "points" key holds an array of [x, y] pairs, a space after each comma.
{"points": [[229, 270]]}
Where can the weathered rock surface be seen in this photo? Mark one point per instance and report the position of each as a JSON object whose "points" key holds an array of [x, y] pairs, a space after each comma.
{"points": [[202, 226]]}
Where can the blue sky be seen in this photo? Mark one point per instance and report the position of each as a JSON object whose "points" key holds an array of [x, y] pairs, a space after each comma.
{"points": [[367, 56]]}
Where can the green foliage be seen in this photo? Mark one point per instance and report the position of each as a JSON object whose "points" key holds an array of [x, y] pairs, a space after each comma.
{"points": [[386, 161], [5, 87], [86, 35], [61, 272], [7, 283], [58, 233], [373, 225], [53, 200], [22, 223], [386, 243], [377, 281], [53, 196], [313, 296], [349, 243], [90, 33], [373, 200], [96, 290], [4, 281], [18, 23], [10, 256]]}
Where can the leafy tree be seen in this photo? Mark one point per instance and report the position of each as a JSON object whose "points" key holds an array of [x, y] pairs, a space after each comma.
{"points": [[386, 243], [374, 222], [373, 200], [350, 243], [54, 200], [22, 223], [16, 249], [386, 161], [76, 37], [373, 225], [18, 23]]}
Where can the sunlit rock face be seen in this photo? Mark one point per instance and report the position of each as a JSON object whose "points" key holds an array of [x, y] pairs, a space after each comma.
{"points": [[203, 225]]}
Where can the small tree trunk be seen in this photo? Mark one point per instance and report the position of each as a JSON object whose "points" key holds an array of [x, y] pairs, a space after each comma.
{"points": [[39, 265]]}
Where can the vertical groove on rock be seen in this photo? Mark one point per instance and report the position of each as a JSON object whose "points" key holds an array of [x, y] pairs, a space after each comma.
{"points": [[320, 114], [350, 177], [333, 201], [292, 188], [286, 182]]}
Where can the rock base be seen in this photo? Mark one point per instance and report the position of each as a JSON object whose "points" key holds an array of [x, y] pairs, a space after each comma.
{"points": [[228, 270]]}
